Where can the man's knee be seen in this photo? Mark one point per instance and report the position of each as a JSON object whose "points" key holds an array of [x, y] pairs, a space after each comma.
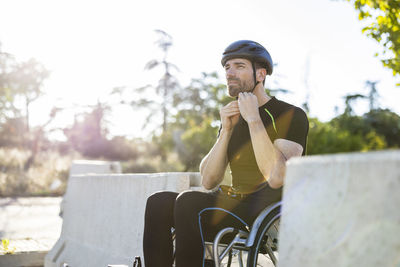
{"points": [[161, 199], [186, 197], [189, 202]]}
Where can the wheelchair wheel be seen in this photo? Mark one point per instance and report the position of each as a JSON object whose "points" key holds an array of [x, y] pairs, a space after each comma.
{"points": [[265, 247]]}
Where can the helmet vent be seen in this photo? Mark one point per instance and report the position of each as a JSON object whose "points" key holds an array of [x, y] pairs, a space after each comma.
{"points": [[236, 49]]}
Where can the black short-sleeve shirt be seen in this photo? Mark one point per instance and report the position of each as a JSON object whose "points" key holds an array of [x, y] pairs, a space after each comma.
{"points": [[281, 120]]}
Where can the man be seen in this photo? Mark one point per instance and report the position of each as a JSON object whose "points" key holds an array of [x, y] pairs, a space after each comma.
{"points": [[258, 135]]}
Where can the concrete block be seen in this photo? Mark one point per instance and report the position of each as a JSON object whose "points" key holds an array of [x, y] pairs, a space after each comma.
{"points": [[79, 167], [195, 182], [103, 217], [195, 179], [94, 166], [341, 210]]}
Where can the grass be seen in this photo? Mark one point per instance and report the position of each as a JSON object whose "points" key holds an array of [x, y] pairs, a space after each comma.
{"points": [[46, 177]]}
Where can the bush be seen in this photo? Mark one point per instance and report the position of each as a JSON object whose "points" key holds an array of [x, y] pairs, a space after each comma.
{"points": [[47, 176]]}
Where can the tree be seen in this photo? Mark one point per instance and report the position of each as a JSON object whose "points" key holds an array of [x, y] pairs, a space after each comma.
{"points": [[168, 83], [325, 138], [165, 89], [349, 99], [88, 136], [373, 94], [385, 123], [376, 129], [12, 132], [27, 80], [21, 82], [202, 99], [7, 93], [382, 20]]}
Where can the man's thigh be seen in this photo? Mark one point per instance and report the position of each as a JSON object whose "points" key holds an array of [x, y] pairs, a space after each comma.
{"points": [[211, 212], [227, 212]]}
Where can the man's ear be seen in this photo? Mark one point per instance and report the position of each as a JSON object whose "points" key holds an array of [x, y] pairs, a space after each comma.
{"points": [[261, 74]]}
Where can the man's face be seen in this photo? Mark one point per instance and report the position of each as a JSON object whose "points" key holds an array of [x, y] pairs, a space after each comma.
{"points": [[239, 76]]}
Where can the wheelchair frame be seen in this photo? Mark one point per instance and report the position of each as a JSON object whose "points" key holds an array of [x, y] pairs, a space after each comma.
{"points": [[261, 238]]}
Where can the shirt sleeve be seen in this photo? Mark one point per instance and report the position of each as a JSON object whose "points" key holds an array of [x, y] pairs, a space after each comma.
{"points": [[293, 125]]}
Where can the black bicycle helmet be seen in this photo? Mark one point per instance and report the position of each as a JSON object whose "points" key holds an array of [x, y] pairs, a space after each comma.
{"points": [[250, 50]]}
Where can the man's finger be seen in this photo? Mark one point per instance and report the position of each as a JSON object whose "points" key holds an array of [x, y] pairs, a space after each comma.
{"points": [[232, 104], [230, 113], [236, 108]]}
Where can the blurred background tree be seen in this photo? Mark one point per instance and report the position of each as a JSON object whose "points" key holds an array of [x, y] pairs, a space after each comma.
{"points": [[195, 126], [89, 136], [167, 85], [21, 83], [143, 98]]}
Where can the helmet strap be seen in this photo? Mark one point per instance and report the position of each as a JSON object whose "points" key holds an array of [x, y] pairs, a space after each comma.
{"points": [[254, 76]]}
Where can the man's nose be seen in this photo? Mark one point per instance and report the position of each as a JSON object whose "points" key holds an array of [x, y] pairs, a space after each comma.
{"points": [[230, 73]]}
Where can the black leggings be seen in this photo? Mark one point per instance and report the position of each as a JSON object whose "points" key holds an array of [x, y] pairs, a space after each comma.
{"points": [[196, 217]]}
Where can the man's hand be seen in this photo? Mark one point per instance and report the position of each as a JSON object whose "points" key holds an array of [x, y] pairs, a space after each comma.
{"points": [[248, 106], [229, 115]]}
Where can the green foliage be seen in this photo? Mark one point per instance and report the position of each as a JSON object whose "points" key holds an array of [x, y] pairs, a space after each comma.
{"points": [[195, 125], [382, 123], [203, 98], [382, 20], [386, 123], [195, 143], [323, 138], [378, 129]]}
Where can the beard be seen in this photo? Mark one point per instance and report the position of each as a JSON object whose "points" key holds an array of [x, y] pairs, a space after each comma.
{"points": [[239, 87]]}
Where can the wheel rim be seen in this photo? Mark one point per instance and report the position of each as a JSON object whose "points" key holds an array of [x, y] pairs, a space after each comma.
{"points": [[265, 249]]}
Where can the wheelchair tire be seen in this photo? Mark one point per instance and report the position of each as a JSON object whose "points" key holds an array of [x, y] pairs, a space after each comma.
{"points": [[262, 239]]}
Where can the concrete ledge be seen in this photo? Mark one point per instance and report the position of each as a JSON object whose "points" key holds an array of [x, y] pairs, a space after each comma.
{"points": [[103, 217], [341, 210], [94, 166], [23, 259]]}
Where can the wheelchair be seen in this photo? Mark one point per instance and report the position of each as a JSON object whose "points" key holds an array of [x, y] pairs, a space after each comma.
{"points": [[258, 246]]}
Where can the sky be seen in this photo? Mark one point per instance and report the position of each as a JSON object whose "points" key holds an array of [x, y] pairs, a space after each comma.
{"points": [[90, 47]]}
